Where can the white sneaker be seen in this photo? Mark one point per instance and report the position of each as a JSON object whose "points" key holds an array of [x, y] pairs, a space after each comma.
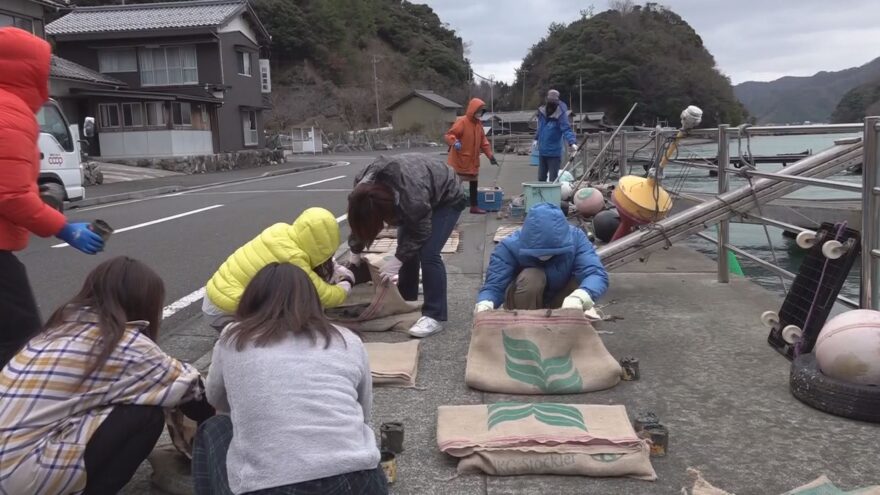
{"points": [[425, 327]]}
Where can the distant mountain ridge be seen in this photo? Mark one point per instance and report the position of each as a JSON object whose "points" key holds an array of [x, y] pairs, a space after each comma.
{"points": [[793, 99]]}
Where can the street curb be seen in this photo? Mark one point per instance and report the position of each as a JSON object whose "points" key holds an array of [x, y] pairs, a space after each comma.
{"points": [[158, 191]]}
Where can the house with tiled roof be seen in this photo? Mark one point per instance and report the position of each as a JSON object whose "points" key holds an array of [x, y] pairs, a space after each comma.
{"points": [[176, 78], [423, 111]]}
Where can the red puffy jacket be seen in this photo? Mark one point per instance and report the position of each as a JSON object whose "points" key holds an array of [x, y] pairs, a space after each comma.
{"points": [[24, 87]]}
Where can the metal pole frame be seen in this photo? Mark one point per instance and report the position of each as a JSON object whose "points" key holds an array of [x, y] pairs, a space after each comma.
{"points": [[723, 186], [870, 296], [623, 165]]}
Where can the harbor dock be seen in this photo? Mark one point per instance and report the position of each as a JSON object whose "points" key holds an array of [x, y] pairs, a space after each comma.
{"points": [[706, 371]]}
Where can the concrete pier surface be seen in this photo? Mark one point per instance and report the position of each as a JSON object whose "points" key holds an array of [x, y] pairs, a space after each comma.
{"points": [[706, 371]]}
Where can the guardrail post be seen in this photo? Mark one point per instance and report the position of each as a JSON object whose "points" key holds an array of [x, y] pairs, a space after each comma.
{"points": [[724, 225], [623, 165], [870, 215]]}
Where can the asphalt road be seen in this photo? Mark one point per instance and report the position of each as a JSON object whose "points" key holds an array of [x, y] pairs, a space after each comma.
{"points": [[186, 236]]}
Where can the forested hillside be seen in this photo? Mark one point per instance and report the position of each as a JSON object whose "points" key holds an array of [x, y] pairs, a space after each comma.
{"points": [[645, 54]]}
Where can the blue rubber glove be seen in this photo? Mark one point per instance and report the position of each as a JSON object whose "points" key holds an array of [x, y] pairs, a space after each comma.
{"points": [[80, 236], [457, 146]]}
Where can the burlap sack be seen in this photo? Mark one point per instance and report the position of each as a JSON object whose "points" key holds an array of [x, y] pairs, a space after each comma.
{"points": [[538, 352], [394, 365], [386, 309], [820, 486], [511, 438]]}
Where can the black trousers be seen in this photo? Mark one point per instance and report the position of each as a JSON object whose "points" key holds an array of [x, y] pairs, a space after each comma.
{"points": [[473, 192], [19, 316], [120, 445]]}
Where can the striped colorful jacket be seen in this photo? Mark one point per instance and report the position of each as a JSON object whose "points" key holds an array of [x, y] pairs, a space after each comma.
{"points": [[47, 417]]}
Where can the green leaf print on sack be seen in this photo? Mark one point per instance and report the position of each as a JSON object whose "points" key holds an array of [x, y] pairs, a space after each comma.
{"points": [[523, 362], [547, 413], [606, 457]]}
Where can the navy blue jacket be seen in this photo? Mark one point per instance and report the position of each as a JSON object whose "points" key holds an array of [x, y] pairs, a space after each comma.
{"points": [[551, 130], [545, 232]]}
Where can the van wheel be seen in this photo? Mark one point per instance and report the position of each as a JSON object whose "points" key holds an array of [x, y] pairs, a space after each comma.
{"points": [[53, 193], [849, 400]]}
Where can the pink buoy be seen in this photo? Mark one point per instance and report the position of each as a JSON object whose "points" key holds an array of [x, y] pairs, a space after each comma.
{"points": [[589, 201], [848, 347]]}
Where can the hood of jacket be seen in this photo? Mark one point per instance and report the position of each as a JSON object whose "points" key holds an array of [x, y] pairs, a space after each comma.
{"points": [[545, 232], [317, 234], [560, 107], [473, 107], [24, 66]]}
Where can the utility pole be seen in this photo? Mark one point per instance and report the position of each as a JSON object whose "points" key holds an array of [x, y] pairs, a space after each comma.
{"points": [[522, 74], [581, 98], [491, 81], [376, 90]]}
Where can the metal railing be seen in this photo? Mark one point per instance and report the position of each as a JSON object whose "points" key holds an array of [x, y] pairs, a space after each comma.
{"points": [[869, 189]]}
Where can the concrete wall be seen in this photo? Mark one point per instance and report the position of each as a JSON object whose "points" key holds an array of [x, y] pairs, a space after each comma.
{"points": [[416, 111], [243, 93], [158, 143]]}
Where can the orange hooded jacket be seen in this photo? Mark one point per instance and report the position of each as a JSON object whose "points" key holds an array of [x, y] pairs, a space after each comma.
{"points": [[469, 130], [24, 87]]}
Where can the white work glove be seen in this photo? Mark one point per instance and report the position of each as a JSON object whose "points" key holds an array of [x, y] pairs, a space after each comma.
{"points": [[574, 148], [534, 146], [355, 259], [484, 306], [578, 299], [345, 285], [341, 273], [389, 271]]}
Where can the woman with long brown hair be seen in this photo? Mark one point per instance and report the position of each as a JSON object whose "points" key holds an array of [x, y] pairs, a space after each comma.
{"points": [[422, 197], [81, 403], [296, 394]]}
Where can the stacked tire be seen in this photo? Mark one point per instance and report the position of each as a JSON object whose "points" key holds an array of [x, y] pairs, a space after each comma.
{"points": [[849, 400]]}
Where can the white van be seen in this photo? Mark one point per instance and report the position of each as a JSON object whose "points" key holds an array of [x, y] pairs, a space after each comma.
{"points": [[60, 158]]}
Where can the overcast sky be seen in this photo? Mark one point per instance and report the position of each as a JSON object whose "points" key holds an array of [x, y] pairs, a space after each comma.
{"points": [[751, 40]]}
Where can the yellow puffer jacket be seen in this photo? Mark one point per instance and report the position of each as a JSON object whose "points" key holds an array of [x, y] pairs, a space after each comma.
{"points": [[309, 242]]}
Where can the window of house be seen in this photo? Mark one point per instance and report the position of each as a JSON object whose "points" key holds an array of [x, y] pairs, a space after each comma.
{"points": [[172, 65], [52, 122], [181, 113], [109, 115], [132, 115], [25, 23], [155, 111], [114, 61], [206, 120], [244, 63], [249, 123]]}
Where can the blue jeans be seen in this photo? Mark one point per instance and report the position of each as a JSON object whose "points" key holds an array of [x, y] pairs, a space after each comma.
{"points": [[548, 168], [443, 221], [210, 478]]}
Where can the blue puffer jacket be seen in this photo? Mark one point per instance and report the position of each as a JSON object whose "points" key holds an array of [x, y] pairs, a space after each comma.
{"points": [[545, 232], [551, 130]]}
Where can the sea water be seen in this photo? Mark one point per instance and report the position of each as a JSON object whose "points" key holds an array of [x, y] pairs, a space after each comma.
{"points": [[752, 238]]}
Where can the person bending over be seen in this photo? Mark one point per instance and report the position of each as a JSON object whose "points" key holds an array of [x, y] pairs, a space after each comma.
{"points": [[546, 264], [422, 197], [296, 394], [82, 403], [309, 243]]}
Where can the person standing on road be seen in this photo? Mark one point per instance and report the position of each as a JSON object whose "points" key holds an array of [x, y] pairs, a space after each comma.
{"points": [[309, 243], [24, 87], [82, 403], [546, 264], [296, 393], [553, 126], [466, 138], [422, 197]]}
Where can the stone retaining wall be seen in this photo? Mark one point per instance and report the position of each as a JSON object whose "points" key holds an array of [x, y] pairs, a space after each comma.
{"points": [[201, 164]]}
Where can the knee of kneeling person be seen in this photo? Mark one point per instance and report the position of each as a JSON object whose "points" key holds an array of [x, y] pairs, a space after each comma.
{"points": [[531, 279]]}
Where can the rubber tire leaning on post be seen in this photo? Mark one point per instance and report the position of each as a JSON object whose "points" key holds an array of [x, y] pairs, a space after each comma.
{"points": [[848, 400]]}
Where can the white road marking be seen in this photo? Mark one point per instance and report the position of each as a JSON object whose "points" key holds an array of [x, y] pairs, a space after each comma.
{"points": [[321, 181], [183, 302], [208, 188], [197, 295], [266, 191], [154, 222]]}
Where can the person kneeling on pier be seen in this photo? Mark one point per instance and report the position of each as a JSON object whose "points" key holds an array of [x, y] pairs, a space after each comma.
{"points": [[295, 393], [546, 264], [82, 402], [309, 243]]}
